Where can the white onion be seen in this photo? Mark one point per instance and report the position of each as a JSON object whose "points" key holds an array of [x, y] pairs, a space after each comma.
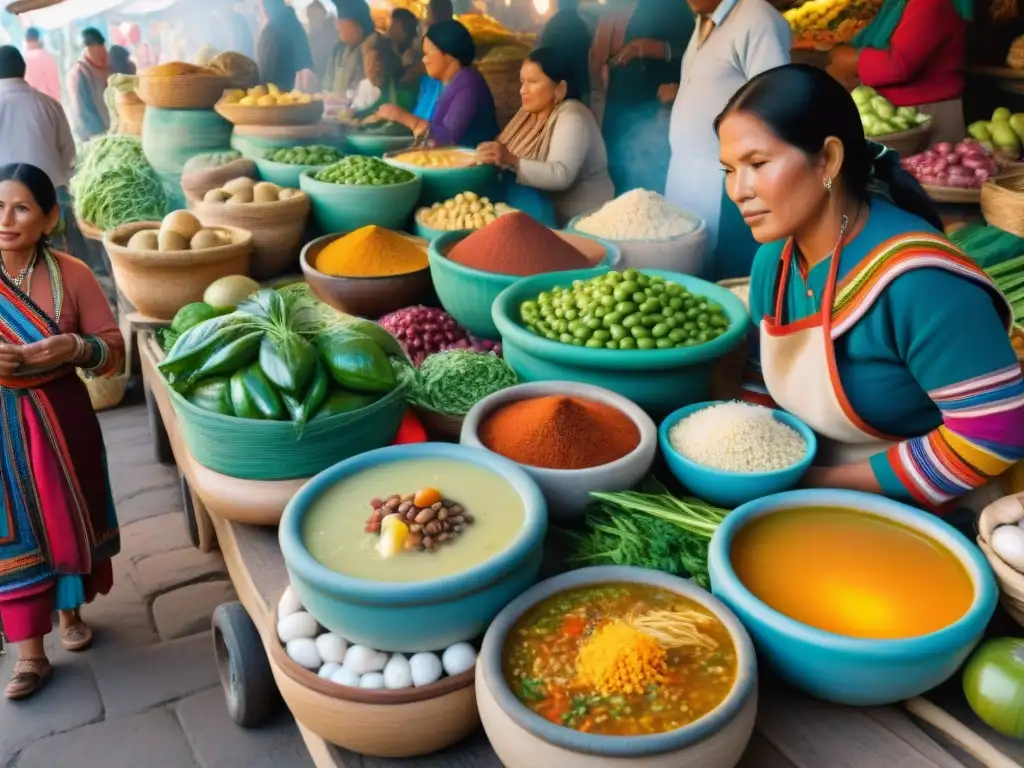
{"points": [[303, 652], [372, 681], [327, 670], [363, 660], [426, 669], [332, 648], [288, 604], [458, 658], [397, 673], [297, 625]]}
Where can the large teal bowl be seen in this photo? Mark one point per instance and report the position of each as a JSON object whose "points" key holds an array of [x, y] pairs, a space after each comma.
{"points": [[283, 174], [414, 616], [347, 207], [468, 294], [730, 489], [658, 380], [440, 184], [848, 670]]}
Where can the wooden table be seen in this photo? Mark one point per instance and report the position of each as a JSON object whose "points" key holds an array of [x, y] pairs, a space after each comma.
{"points": [[793, 730]]}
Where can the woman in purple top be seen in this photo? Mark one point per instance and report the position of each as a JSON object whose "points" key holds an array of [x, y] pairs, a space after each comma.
{"points": [[465, 113]]}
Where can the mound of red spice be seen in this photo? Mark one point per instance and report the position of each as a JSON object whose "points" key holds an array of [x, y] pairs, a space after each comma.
{"points": [[517, 244], [560, 432]]}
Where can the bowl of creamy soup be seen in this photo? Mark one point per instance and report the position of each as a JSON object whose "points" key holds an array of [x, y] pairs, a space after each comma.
{"points": [[853, 597], [414, 546], [617, 666]]}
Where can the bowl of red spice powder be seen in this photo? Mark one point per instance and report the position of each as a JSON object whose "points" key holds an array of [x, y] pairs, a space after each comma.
{"points": [[471, 267], [570, 438]]}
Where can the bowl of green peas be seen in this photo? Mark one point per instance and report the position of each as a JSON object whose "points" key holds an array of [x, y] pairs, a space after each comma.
{"points": [[358, 191], [650, 335], [284, 166]]}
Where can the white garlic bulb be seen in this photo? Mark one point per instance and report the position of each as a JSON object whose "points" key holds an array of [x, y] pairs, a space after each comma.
{"points": [[362, 660], [372, 681], [426, 669], [332, 647], [345, 677], [297, 625], [397, 673], [303, 652], [328, 670], [458, 658], [288, 604]]}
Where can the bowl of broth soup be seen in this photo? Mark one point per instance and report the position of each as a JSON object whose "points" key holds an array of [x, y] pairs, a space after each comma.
{"points": [[413, 547], [615, 665], [852, 597]]}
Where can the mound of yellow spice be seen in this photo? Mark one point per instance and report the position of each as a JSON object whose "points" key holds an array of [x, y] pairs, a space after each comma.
{"points": [[372, 252], [620, 660]]}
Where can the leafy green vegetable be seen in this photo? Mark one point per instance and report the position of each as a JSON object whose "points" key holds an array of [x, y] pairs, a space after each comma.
{"points": [[115, 184], [454, 381]]}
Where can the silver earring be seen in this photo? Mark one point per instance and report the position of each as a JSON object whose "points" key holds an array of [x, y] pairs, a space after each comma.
{"points": [[828, 184]]}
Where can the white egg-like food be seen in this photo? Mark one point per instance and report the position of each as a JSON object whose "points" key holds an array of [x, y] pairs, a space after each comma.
{"points": [[332, 647], [397, 673], [426, 669], [458, 658], [288, 604], [372, 681], [345, 677], [328, 669], [363, 660], [1008, 542], [297, 625], [303, 652]]}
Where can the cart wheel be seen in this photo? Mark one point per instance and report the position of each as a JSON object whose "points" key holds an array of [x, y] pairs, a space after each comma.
{"points": [[188, 506], [161, 442], [244, 671]]}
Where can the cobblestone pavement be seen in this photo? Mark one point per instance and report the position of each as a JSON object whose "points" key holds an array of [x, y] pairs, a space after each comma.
{"points": [[147, 695]]}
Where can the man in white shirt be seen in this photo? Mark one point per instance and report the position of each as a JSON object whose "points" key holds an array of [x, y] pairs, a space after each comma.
{"points": [[35, 130], [733, 41]]}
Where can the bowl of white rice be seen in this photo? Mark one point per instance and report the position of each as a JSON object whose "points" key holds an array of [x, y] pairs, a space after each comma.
{"points": [[651, 232], [729, 453]]}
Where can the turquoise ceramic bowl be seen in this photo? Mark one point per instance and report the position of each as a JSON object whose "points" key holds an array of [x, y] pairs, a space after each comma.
{"points": [[440, 611], [468, 294], [847, 670], [658, 380], [283, 174], [347, 207], [427, 233], [440, 184], [373, 145], [730, 489]]}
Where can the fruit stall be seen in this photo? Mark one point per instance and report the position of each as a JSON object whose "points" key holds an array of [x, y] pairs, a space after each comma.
{"points": [[471, 481]]}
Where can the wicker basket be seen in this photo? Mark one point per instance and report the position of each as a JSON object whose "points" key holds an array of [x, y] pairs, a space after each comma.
{"points": [[502, 76], [159, 283], [181, 91], [107, 392], [953, 195], [442, 425], [277, 229], [909, 142], [291, 114], [1002, 202], [89, 232], [195, 184], [130, 112], [1008, 510]]}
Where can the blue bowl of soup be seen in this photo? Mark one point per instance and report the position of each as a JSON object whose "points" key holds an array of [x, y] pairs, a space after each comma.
{"points": [[852, 597], [414, 600]]}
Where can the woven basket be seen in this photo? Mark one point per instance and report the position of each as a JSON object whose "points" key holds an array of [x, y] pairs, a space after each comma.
{"points": [[130, 112], [502, 76], [196, 184], [953, 195], [437, 424], [276, 228], [291, 114], [1002, 202], [909, 142], [159, 283], [1008, 510], [107, 392], [181, 91]]}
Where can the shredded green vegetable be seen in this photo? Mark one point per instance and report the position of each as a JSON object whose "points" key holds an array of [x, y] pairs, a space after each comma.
{"points": [[453, 382], [115, 185]]}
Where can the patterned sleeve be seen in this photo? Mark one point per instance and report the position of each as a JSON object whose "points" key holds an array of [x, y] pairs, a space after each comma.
{"points": [[957, 349]]}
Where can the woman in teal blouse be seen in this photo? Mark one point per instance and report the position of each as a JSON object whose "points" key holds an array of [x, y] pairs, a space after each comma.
{"points": [[869, 325]]}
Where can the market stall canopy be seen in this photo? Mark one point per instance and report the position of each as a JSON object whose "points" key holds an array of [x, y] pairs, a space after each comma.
{"points": [[47, 14]]}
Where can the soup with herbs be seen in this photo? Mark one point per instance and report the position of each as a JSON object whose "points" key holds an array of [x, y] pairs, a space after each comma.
{"points": [[620, 660], [413, 520], [851, 573]]}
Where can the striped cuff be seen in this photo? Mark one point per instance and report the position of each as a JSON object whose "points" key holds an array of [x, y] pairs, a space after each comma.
{"points": [[100, 354]]}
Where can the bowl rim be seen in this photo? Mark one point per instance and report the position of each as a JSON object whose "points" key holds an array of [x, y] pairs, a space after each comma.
{"points": [[493, 647], [379, 697], [385, 594], [307, 178], [810, 441], [619, 359], [392, 158], [276, 165], [306, 266], [702, 227], [243, 237], [530, 390], [960, 632]]}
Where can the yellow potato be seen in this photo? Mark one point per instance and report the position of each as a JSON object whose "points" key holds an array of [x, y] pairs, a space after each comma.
{"points": [[234, 97], [258, 91], [248, 101], [266, 101]]}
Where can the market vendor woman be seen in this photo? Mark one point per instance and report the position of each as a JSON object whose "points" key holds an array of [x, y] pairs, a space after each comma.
{"points": [[60, 530], [913, 54], [869, 325]]}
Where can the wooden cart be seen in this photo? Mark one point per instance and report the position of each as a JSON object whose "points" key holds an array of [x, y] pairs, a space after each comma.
{"points": [[793, 730]]}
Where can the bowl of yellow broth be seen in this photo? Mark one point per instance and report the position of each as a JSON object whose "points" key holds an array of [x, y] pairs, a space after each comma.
{"points": [[852, 597], [617, 666], [446, 171], [413, 600]]}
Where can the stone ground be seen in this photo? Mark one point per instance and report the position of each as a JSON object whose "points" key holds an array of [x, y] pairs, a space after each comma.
{"points": [[147, 695]]}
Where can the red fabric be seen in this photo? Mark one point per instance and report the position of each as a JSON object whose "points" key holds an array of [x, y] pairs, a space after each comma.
{"points": [[411, 431], [29, 613], [925, 60]]}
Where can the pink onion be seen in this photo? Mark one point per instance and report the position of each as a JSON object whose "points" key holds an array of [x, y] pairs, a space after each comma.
{"points": [[975, 160], [423, 330], [943, 148]]}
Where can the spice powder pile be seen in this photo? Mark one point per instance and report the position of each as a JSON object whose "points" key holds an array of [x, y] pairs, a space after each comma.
{"points": [[517, 244], [372, 252]]}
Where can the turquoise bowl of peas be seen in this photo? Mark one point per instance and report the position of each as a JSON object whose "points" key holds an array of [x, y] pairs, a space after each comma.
{"points": [[285, 167], [359, 191], [650, 335]]}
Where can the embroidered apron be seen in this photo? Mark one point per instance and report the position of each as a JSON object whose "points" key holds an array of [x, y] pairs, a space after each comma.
{"points": [[798, 360]]}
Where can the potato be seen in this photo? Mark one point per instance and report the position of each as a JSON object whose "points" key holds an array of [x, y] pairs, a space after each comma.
{"points": [[288, 194], [235, 185], [205, 238], [144, 240], [169, 240], [265, 192], [216, 196], [242, 196], [266, 101], [182, 222]]}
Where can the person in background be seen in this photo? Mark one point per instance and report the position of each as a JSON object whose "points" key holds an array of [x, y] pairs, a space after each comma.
{"points": [[120, 61], [322, 36], [430, 88], [567, 32], [465, 112], [282, 52], [87, 82], [635, 53], [735, 40], [553, 143], [922, 401], [42, 72], [356, 37], [62, 529], [913, 52], [404, 34]]}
